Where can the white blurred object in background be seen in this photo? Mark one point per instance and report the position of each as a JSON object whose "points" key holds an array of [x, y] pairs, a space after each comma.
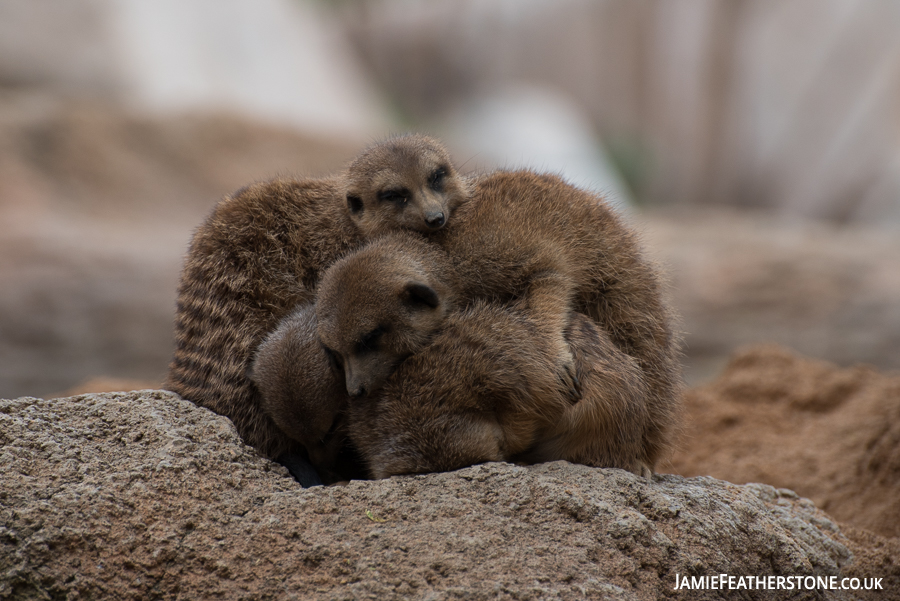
{"points": [[282, 61], [788, 106], [520, 125]]}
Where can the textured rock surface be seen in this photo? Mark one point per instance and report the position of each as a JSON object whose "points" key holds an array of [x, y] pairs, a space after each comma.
{"points": [[143, 495]]}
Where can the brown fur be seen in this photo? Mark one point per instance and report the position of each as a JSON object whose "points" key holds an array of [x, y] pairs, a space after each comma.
{"points": [[481, 391], [456, 386], [481, 386], [525, 235], [612, 424], [563, 249], [259, 254], [302, 393]]}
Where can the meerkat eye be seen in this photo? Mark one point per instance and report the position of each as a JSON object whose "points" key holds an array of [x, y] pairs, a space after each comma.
{"points": [[399, 195], [371, 340], [436, 181], [355, 203]]}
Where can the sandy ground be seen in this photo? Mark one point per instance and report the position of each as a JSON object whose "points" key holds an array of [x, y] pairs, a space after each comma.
{"points": [[831, 434]]}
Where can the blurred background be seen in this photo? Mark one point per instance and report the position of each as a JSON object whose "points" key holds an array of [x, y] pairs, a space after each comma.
{"points": [[754, 143]]}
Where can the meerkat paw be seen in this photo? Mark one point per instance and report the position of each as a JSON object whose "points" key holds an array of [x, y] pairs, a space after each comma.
{"points": [[644, 470]]}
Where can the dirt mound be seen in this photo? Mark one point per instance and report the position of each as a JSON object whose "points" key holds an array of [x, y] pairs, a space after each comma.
{"points": [[100, 384], [831, 434]]}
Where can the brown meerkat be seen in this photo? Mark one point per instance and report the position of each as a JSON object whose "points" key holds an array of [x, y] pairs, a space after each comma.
{"points": [[301, 392], [474, 384], [382, 304], [406, 182], [564, 249], [303, 384], [259, 254], [520, 232]]}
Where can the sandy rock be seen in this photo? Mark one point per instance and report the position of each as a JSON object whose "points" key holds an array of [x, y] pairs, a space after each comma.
{"points": [[830, 433], [143, 495]]}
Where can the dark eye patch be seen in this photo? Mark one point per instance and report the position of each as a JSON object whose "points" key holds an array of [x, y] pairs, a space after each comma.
{"points": [[372, 340], [399, 195], [436, 180], [355, 203]]}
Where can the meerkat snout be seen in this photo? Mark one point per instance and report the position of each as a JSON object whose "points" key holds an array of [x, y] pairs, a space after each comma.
{"points": [[355, 388], [435, 221]]}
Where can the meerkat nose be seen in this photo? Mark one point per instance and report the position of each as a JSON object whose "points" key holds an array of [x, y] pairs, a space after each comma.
{"points": [[435, 221]]}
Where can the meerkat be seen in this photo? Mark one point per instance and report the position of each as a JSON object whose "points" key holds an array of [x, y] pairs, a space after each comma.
{"points": [[301, 392], [523, 234], [408, 182], [259, 254], [382, 304], [471, 384], [529, 235]]}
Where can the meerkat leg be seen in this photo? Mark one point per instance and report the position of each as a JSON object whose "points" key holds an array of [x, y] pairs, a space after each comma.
{"points": [[301, 469], [645, 471], [550, 300]]}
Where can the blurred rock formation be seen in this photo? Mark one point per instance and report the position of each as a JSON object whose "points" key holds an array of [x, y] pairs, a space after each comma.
{"points": [[281, 61]]}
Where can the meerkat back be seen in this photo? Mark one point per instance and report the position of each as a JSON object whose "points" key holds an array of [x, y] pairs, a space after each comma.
{"points": [[259, 254], [534, 236]]}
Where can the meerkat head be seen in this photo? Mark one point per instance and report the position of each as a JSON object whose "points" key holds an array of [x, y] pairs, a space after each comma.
{"points": [[375, 308], [407, 182]]}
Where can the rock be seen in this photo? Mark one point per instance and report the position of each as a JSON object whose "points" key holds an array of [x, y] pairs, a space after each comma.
{"points": [[144, 495]]}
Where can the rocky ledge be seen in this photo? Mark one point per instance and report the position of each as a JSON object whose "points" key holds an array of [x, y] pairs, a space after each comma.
{"points": [[143, 495]]}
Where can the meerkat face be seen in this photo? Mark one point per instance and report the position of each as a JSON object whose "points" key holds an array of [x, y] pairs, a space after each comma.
{"points": [[373, 314], [404, 183]]}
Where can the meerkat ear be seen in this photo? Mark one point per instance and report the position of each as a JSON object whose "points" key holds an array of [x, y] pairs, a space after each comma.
{"points": [[355, 203], [422, 294]]}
